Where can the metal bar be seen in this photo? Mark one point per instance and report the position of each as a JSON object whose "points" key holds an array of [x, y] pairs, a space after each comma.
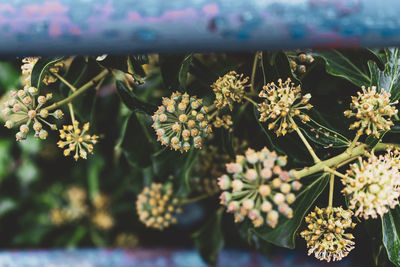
{"points": [[51, 27]]}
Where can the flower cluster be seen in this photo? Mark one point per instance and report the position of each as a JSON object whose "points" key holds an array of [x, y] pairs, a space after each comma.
{"points": [[283, 102], [75, 139], [224, 121], [326, 236], [77, 208], [23, 109], [157, 207], [373, 111], [373, 185], [126, 240], [258, 188], [26, 68], [229, 89], [181, 122]]}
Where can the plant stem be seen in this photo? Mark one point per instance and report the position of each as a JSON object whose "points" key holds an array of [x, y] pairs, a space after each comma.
{"points": [[334, 172], [354, 142], [250, 100], [334, 161], [79, 91], [253, 72], [308, 146], [194, 199], [73, 89], [331, 189]]}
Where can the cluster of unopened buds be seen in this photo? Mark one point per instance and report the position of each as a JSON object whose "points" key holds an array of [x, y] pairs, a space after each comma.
{"points": [[282, 103], [224, 121], [326, 235], [156, 206], [300, 62], [229, 89], [77, 140], [181, 122], [373, 111], [25, 109], [258, 188], [373, 185]]}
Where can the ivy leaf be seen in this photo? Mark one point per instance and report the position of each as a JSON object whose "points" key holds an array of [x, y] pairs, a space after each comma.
{"points": [[391, 234], [132, 101], [209, 240], [389, 79], [351, 65], [324, 136], [41, 69], [170, 66], [115, 62], [183, 72], [284, 234], [276, 65]]}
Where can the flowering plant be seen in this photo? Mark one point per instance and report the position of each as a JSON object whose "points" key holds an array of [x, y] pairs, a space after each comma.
{"points": [[275, 147]]}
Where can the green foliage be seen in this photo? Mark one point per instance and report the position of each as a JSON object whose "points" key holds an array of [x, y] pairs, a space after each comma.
{"points": [[391, 234]]}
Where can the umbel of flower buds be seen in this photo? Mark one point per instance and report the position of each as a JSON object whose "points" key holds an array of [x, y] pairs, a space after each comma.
{"points": [[26, 68], [229, 89], [372, 110], [77, 141], [156, 207], [373, 185], [181, 122], [256, 187], [282, 103], [325, 234], [25, 109]]}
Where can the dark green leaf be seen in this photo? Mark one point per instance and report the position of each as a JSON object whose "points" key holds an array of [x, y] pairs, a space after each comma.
{"points": [[75, 75], [284, 234], [41, 69], [209, 240], [115, 62], [372, 141], [351, 65], [276, 66], [391, 234], [132, 101], [7, 205], [389, 79], [9, 76], [183, 72], [170, 65], [323, 136]]}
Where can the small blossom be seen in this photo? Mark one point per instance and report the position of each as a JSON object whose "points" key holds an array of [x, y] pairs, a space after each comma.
{"points": [[372, 110], [325, 234], [77, 141], [103, 220], [282, 103], [259, 195], [181, 122], [373, 185], [229, 89], [21, 109], [156, 206], [225, 121]]}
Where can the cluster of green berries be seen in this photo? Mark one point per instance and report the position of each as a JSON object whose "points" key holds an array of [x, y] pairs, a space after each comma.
{"points": [[181, 122], [25, 108]]}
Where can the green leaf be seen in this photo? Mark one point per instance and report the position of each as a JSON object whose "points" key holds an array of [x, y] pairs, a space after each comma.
{"points": [[183, 72], [284, 234], [323, 136], [209, 240], [7, 205], [132, 101], [351, 65], [170, 66], [41, 69], [389, 79], [115, 62], [372, 141], [391, 234], [276, 65], [75, 75], [95, 167], [9, 76]]}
